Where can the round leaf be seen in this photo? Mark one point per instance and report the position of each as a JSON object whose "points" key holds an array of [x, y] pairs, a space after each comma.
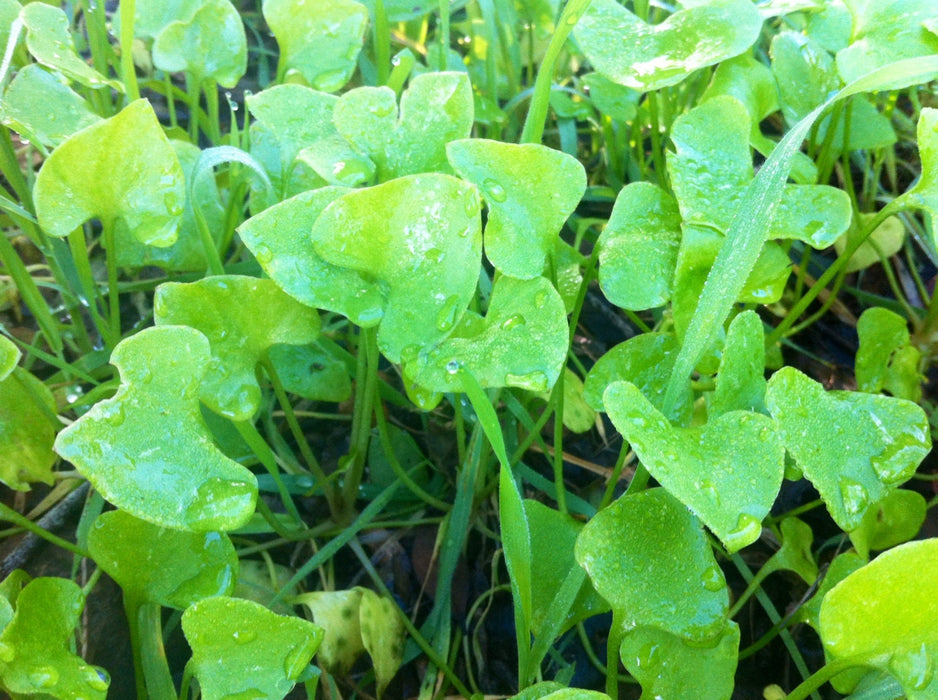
{"points": [[9, 357], [147, 449], [896, 519], [27, 430], [885, 241]]}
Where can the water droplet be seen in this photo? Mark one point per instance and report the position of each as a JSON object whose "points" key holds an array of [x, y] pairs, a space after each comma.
{"points": [[171, 202], [532, 381], [96, 678], [453, 367], [649, 656], [747, 530], [495, 191], [7, 653], [513, 321], [712, 579], [855, 497], [709, 489], [43, 676], [368, 317], [424, 399], [472, 204], [382, 110], [244, 636], [434, 255], [159, 306], [263, 254], [115, 416], [540, 298], [449, 312], [913, 668], [331, 80], [219, 502], [298, 658]]}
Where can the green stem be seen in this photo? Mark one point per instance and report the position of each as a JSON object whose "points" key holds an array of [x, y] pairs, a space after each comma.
{"points": [[365, 390], [262, 451], [128, 70], [613, 644], [11, 516], [114, 308], [158, 679], [557, 400], [811, 684], [382, 40], [444, 34]]}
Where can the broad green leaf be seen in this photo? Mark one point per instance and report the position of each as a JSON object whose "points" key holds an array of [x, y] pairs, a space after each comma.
{"points": [[9, 12], [209, 45], [383, 636], [319, 39], [749, 81], [795, 553], [614, 100], [9, 357], [403, 10], [151, 16], [34, 647], [435, 109], [334, 160], [885, 31], [261, 582], [419, 238], [924, 195], [154, 564], [649, 57], [578, 415], [311, 372], [44, 109], [522, 342], [147, 449], [649, 558], [883, 617], [279, 237], [122, 170], [240, 649], [339, 614], [854, 447], [553, 538], [27, 431], [740, 384], [529, 191], [830, 25], [840, 567], [49, 41], [814, 214], [516, 545], [638, 247], [895, 519], [886, 359], [669, 667], [241, 317], [728, 472], [646, 361], [552, 690]]}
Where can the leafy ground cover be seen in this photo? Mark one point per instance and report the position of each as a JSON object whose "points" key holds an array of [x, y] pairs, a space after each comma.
{"points": [[516, 348]]}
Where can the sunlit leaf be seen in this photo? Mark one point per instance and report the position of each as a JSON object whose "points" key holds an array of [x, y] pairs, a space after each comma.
{"points": [[27, 430], [150, 16], [241, 317], [881, 616], [35, 656], [649, 57], [382, 636], [894, 520], [886, 359], [334, 160], [339, 614], [311, 372], [840, 567], [423, 258], [578, 415], [122, 170], [153, 564], [924, 195], [728, 472], [147, 449], [9, 357], [241, 649], [854, 447], [319, 39], [740, 384]]}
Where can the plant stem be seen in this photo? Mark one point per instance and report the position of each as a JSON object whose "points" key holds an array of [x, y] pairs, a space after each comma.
{"points": [[365, 391], [11, 516], [128, 70]]}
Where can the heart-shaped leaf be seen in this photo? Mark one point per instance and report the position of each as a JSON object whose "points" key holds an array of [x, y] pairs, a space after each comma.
{"points": [[49, 41], [435, 109], [649, 558], [728, 472], [522, 342], [279, 237], [638, 247], [147, 449], [34, 647], [241, 317], [319, 39], [529, 190], [840, 567], [311, 372], [423, 258], [41, 107], [881, 616], [894, 520], [740, 384], [649, 57], [668, 667], [241, 649], [121, 170], [795, 553], [151, 16], [886, 358], [854, 447], [27, 429], [924, 195], [153, 564], [885, 32], [217, 32]]}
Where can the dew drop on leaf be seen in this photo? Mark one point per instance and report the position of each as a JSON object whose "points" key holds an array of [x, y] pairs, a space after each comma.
{"points": [[43, 676], [649, 656], [495, 191], [914, 669], [215, 500], [712, 579], [96, 678], [446, 318], [533, 381], [452, 367], [513, 321], [263, 254], [244, 636], [854, 495], [747, 530]]}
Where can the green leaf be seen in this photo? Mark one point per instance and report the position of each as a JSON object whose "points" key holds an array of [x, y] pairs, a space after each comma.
{"points": [[153, 564], [648, 557], [336, 162], [9, 357], [924, 194], [886, 359], [241, 317], [638, 247], [740, 384], [855, 448], [895, 519], [529, 191], [151, 16], [41, 107], [34, 647], [840, 567], [614, 100], [27, 430], [419, 238], [435, 109], [382, 636], [241, 649], [311, 372], [261, 581], [795, 553], [578, 415], [830, 25], [403, 10], [49, 41], [122, 444], [122, 170], [516, 544], [884, 32], [649, 57], [881, 616], [208, 45], [319, 39], [750, 82], [522, 342], [646, 361], [728, 472], [667, 666]]}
